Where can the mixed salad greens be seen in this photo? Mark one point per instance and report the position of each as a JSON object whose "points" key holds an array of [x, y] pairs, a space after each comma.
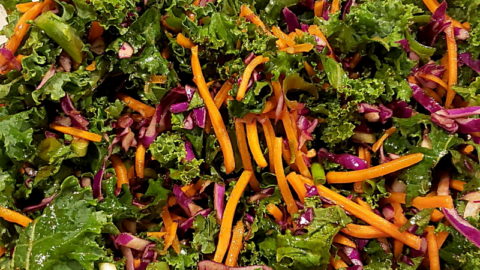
{"points": [[222, 134]]}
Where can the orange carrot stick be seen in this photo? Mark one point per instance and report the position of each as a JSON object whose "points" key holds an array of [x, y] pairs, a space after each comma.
{"points": [[217, 121], [298, 48], [282, 182], [15, 217], [432, 202], [363, 231], [140, 161], [314, 30], [140, 107], [342, 240], [253, 142], [184, 41], [24, 7], [275, 212], [363, 204], [441, 238], [170, 236], [309, 69], [156, 234], [335, 6], [432, 249], [452, 65], [248, 14], [358, 186], [436, 216], [338, 264], [434, 79], [89, 136], [244, 154], [96, 31], [242, 89], [168, 223], [236, 244], [370, 217], [457, 185], [433, 94], [318, 8], [277, 32], [269, 138], [396, 197], [376, 171], [229, 212], [297, 185], [222, 93], [120, 171], [131, 172], [269, 106], [382, 139], [2, 251], [158, 79], [399, 220]]}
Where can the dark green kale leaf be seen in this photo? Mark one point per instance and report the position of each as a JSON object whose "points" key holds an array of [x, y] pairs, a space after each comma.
{"points": [[253, 102], [378, 259], [66, 235], [206, 229], [458, 252]]}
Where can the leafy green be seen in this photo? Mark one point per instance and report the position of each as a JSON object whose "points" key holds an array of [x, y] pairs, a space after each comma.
{"points": [[206, 228]]}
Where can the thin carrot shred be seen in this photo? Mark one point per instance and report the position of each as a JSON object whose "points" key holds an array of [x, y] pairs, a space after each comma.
{"points": [[297, 185], [15, 217], [156, 234], [375, 171], [24, 7], [436, 216], [184, 41], [396, 197], [269, 106], [277, 32], [236, 244], [254, 144], [269, 138], [452, 65], [2, 251], [248, 14], [242, 89], [222, 94], [318, 8], [335, 6], [370, 217], [433, 94], [140, 107], [468, 149], [140, 161], [399, 220], [445, 201], [244, 154], [120, 171], [314, 30], [282, 182], [229, 212], [298, 48], [342, 240], [432, 5], [457, 185], [382, 139], [432, 249], [170, 236], [363, 204], [434, 79], [215, 117], [168, 223], [275, 212], [338, 264], [96, 31], [309, 69], [158, 79], [91, 67], [363, 231], [358, 186], [441, 238], [89, 136]]}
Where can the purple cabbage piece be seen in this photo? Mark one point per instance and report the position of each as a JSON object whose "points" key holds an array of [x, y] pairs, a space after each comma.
{"points": [[97, 183], [367, 108], [446, 123], [189, 150], [131, 241], [306, 128], [460, 112], [211, 265], [374, 113], [400, 109], [44, 203], [466, 59], [306, 217], [468, 125], [179, 107], [431, 69], [185, 202], [219, 199], [326, 9], [347, 161], [11, 60], [462, 226], [188, 223], [353, 255], [346, 8], [310, 4], [49, 74], [190, 91], [129, 261], [460, 33], [249, 218], [291, 20], [77, 119], [438, 23], [406, 47], [151, 132], [188, 122], [200, 116], [427, 102], [264, 193], [311, 191]]}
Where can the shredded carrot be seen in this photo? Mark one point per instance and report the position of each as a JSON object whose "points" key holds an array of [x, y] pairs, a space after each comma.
{"points": [[15, 217], [342, 240], [253, 142], [432, 94], [184, 41], [156, 234], [281, 43], [436, 216], [468, 149], [457, 185], [452, 65], [432, 249], [399, 220], [91, 67], [432, 202], [140, 107], [370, 217], [131, 172], [140, 160], [297, 185], [277, 32], [242, 89], [363, 231], [215, 117], [96, 31], [314, 30], [236, 244], [89, 136], [2, 251], [358, 186], [269, 106], [269, 138], [382, 139], [318, 8], [120, 171], [222, 94], [248, 14], [277, 90], [275, 212], [158, 79], [363, 204], [24, 7], [229, 212], [298, 48], [335, 6], [282, 182], [169, 223], [22, 27], [170, 236], [376, 171], [434, 79], [338, 264], [396, 197], [244, 154], [309, 69], [441, 238]]}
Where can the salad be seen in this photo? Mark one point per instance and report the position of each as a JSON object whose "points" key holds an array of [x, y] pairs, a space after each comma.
{"points": [[240, 135]]}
